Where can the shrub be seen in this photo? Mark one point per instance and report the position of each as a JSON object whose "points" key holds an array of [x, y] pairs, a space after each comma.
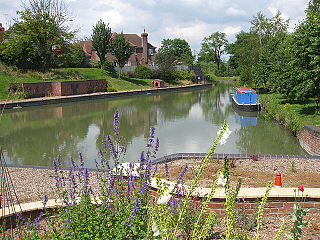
{"points": [[183, 75], [142, 72], [111, 89], [109, 66]]}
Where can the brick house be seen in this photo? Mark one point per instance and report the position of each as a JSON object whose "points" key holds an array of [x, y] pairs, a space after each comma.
{"points": [[144, 52], [1, 33]]}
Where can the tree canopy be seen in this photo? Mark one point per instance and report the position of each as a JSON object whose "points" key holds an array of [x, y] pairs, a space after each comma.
{"points": [[213, 47], [101, 41], [122, 50], [38, 36], [178, 48]]}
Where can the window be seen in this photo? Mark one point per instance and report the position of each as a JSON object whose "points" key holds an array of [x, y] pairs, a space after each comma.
{"points": [[150, 51]]}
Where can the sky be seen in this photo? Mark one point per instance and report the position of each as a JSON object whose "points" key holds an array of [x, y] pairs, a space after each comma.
{"points": [[191, 20]]}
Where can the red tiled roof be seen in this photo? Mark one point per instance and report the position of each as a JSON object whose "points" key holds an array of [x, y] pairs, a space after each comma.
{"points": [[243, 89]]}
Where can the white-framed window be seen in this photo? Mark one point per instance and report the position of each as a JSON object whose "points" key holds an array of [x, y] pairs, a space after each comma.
{"points": [[150, 51]]}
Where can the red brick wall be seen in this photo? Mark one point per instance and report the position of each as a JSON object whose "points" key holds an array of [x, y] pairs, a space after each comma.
{"points": [[309, 138], [44, 89], [274, 206], [37, 89]]}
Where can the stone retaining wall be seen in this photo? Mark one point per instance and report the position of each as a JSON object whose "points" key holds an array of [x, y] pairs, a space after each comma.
{"points": [[309, 138]]}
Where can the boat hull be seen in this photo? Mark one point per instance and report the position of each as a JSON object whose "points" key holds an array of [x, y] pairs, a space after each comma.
{"points": [[246, 107]]}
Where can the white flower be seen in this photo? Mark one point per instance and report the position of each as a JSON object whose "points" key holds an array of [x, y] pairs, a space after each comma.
{"points": [[155, 230], [225, 136], [164, 199], [222, 181], [126, 170]]}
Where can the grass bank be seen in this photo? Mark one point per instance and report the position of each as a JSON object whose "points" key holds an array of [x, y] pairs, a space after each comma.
{"points": [[10, 76], [292, 115]]}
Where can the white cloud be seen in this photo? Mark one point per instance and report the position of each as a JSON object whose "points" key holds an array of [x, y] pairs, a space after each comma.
{"points": [[235, 12], [230, 30]]}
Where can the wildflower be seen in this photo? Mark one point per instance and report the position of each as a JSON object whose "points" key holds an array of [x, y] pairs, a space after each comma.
{"points": [[166, 171], [155, 230], [128, 168], [116, 122], [225, 136], [301, 187], [222, 181], [45, 200], [164, 199]]}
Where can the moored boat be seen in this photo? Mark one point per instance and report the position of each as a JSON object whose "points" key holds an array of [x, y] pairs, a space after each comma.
{"points": [[246, 99]]}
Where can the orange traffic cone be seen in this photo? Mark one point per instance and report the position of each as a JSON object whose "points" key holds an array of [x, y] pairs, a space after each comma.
{"points": [[277, 183]]}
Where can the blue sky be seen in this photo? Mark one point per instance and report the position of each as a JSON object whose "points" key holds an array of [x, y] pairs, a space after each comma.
{"points": [[191, 20]]}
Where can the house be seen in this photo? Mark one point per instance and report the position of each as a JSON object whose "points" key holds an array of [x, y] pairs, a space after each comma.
{"points": [[1, 33], [144, 52]]}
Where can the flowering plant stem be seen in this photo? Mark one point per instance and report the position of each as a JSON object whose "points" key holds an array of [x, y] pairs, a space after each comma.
{"points": [[199, 173]]}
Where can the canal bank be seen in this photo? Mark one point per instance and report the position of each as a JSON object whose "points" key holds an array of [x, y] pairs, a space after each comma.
{"points": [[93, 96], [297, 118]]}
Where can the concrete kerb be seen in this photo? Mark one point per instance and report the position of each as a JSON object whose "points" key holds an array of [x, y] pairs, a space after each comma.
{"points": [[92, 96]]}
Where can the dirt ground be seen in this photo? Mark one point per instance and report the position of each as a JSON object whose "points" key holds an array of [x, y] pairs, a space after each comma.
{"points": [[254, 173]]}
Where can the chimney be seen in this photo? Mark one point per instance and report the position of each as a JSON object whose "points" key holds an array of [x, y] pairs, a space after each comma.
{"points": [[1, 33], [144, 36]]}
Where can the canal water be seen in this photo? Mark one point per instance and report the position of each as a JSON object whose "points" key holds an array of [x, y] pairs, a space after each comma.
{"points": [[184, 122]]}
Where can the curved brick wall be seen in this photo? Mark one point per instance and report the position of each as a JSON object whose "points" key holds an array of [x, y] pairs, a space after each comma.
{"points": [[309, 138], [274, 206]]}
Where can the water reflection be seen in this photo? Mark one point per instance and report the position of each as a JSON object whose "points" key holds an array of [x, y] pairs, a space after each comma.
{"points": [[184, 121], [247, 118]]}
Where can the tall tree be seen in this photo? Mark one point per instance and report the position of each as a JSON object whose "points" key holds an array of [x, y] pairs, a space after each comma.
{"points": [[122, 50], [266, 28], [38, 35], [179, 48], [306, 52], [215, 45], [101, 41]]}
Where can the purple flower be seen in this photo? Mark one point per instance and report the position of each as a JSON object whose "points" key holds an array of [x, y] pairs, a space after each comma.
{"points": [[135, 210], [37, 221], [155, 171], [116, 122], [166, 168], [45, 200]]}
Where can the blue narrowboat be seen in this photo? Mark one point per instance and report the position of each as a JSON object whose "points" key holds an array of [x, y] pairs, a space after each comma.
{"points": [[246, 99]]}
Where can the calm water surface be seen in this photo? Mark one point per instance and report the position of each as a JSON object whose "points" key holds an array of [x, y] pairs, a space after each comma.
{"points": [[184, 122]]}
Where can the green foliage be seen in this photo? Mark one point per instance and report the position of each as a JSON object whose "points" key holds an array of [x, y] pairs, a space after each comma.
{"points": [[37, 36], [297, 218], [72, 57], [122, 50], [142, 72], [179, 48], [183, 75], [111, 89], [245, 51], [101, 40], [213, 46], [281, 113]]}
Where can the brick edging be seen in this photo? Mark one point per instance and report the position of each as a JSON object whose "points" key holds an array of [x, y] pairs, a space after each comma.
{"points": [[309, 139]]}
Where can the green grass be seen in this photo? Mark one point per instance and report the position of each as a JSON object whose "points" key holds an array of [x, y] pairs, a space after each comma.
{"points": [[8, 75], [235, 78], [293, 115]]}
